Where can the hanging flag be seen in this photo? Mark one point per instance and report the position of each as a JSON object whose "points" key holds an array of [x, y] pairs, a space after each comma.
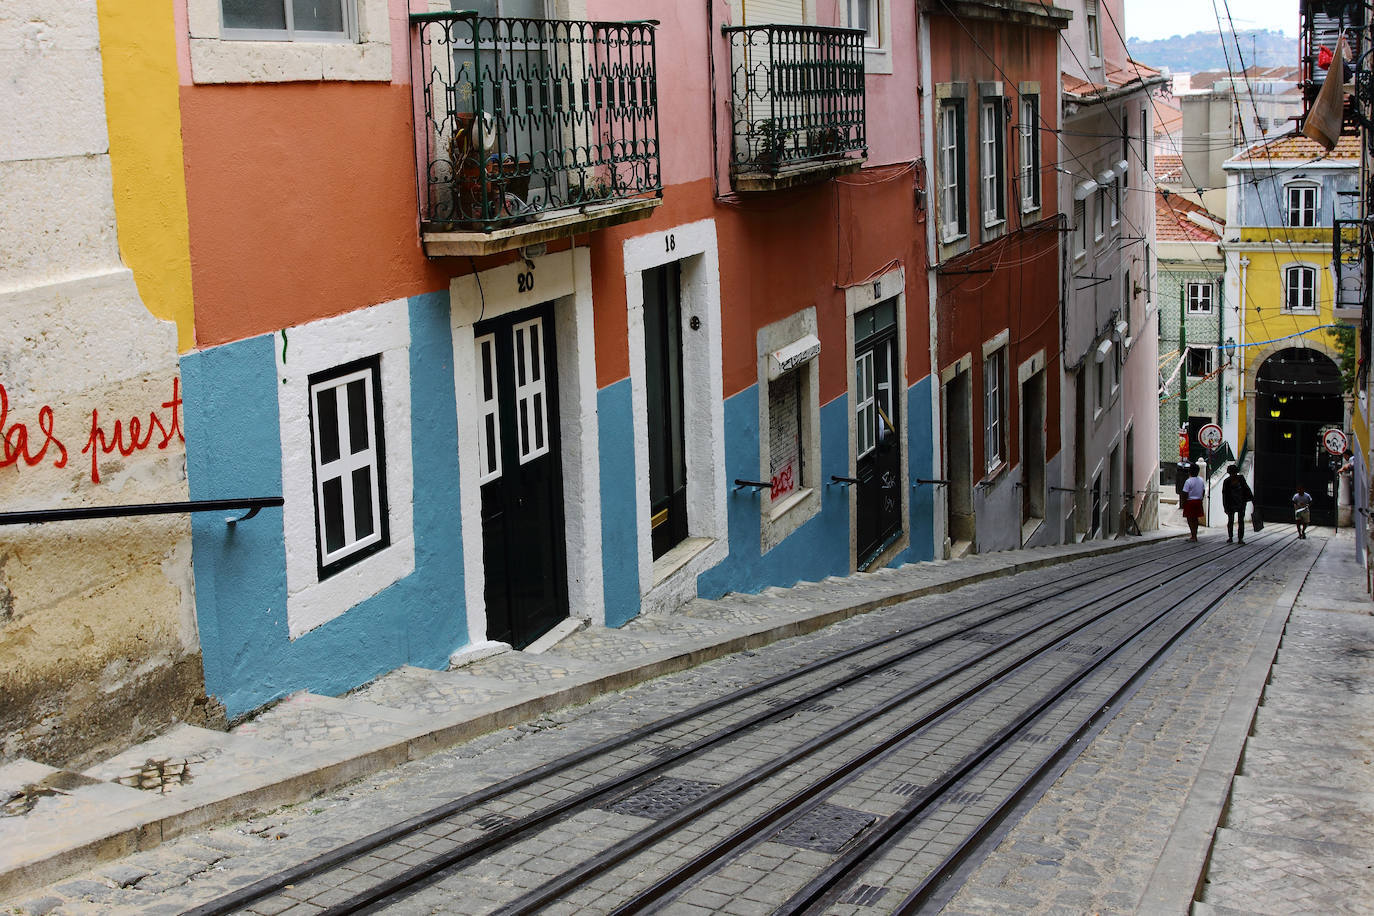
{"points": [[1323, 122]]}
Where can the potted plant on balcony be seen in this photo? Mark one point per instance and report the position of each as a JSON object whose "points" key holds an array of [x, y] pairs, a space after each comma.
{"points": [[826, 142], [773, 137], [486, 185]]}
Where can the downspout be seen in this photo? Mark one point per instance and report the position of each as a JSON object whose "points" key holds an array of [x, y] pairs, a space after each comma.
{"points": [[1221, 339], [1240, 358]]}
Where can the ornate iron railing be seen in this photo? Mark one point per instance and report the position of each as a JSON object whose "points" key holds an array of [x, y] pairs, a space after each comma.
{"points": [[797, 95], [519, 117], [1350, 245]]}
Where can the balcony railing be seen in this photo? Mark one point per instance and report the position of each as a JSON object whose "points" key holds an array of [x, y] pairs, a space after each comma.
{"points": [[1350, 261], [519, 119], [797, 97], [1321, 25]]}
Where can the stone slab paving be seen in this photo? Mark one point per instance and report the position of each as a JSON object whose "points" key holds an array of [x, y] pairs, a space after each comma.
{"points": [[308, 746], [1298, 836]]}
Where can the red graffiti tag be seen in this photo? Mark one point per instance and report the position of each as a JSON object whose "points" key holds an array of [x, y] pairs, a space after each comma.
{"points": [[14, 440], [139, 437]]}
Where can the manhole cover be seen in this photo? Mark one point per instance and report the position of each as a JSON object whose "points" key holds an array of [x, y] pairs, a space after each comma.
{"points": [[988, 638], [661, 798], [825, 828]]}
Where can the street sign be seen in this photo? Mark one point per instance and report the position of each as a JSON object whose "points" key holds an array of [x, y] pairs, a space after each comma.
{"points": [[1334, 441], [1209, 437]]}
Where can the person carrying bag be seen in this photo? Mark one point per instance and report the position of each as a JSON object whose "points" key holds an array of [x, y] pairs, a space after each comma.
{"points": [[1235, 493]]}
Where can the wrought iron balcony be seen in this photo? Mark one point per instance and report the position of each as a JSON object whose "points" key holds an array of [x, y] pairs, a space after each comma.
{"points": [[1350, 262], [1321, 25], [797, 104], [532, 129]]}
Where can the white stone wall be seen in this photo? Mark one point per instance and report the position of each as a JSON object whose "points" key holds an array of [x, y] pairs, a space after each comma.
{"points": [[97, 628]]}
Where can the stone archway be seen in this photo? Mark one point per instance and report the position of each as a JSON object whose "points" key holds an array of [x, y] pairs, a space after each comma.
{"points": [[1297, 394]]}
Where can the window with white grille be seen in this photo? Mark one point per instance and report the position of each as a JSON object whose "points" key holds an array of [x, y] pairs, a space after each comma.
{"points": [[1300, 289], [1200, 298], [953, 220], [289, 20], [1030, 153], [994, 408], [1301, 209], [990, 157], [350, 484]]}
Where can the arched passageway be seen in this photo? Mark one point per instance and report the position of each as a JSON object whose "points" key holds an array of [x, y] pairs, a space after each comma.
{"points": [[1298, 393]]}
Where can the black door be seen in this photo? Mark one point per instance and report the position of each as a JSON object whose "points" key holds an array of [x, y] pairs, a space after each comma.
{"points": [[663, 384], [878, 467], [1298, 395], [522, 481]]}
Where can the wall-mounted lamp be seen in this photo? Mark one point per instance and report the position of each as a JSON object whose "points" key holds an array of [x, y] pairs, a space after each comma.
{"points": [[1084, 190], [1122, 167], [1102, 350], [1105, 179], [1274, 414], [1283, 400]]}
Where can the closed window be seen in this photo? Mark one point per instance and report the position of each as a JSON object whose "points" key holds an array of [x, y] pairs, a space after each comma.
{"points": [[994, 408], [1100, 215], [1199, 298], [1080, 228], [1199, 362], [1300, 289], [289, 20], [990, 157], [1094, 35], [785, 467], [1030, 153], [1301, 205], [350, 484], [1116, 201], [863, 14], [953, 216]]}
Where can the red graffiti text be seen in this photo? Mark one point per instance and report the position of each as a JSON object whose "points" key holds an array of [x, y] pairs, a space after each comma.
{"points": [[139, 437], [16, 445]]}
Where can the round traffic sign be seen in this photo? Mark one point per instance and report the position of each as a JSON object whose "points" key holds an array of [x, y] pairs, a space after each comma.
{"points": [[1334, 441], [1209, 436]]}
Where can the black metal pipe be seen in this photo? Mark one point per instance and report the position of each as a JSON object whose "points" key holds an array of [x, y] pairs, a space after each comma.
{"points": [[935, 483], [835, 478], [39, 516], [756, 484]]}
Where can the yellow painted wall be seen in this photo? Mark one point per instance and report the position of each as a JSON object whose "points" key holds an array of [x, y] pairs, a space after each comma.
{"points": [[142, 107], [1264, 316]]}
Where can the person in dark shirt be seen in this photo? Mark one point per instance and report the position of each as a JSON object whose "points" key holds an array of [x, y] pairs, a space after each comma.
{"points": [[1235, 493]]}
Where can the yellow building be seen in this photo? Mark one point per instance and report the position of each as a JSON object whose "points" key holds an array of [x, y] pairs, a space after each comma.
{"points": [[1283, 374]]}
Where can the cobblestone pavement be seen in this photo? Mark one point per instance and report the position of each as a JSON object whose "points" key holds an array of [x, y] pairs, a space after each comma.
{"points": [[1298, 836], [1092, 844]]}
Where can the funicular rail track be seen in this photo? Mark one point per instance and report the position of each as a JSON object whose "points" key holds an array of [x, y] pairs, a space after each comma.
{"points": [[970, 659]]}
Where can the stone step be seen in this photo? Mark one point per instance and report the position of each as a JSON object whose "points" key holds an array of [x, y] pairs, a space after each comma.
{"points": [[1295, 760], [1301, 812]]}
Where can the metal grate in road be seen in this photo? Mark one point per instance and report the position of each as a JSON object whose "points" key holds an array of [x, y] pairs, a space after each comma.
{"points": [[825, 828], [661, 798]]}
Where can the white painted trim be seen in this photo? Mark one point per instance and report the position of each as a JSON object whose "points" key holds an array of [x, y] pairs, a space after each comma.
{"points": [[857, 298], [565, 279], [694, 244], [1029, 367], [315, 347], [997, 342]]}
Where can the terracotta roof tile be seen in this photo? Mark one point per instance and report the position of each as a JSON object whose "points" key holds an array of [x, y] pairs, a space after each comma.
{"points": [[1172, 223], [1294, 147], [1168, 168]]}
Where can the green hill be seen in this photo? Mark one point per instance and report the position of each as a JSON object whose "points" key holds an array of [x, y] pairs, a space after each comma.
{"points": [[1203, 51]]}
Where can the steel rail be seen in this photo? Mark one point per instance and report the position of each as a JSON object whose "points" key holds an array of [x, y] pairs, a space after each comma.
{"points": [[331, 859], [618, 853], [826, 888], [761, 827]]}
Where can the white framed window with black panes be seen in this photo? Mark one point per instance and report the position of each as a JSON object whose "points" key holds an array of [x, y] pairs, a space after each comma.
{"points": [[1301, 200], [953, 200], [994, 408], [289, 20], [1200, 298], [991, 156], [1030, 152], [1299, 288], [349, 459], [1200, 362]]}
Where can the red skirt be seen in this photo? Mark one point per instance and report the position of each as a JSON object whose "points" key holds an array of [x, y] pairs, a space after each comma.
{"points": [[1192, 508]]}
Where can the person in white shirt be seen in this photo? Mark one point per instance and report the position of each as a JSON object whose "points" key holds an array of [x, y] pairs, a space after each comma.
{"points": [[1302, 510], [1193, 491]]}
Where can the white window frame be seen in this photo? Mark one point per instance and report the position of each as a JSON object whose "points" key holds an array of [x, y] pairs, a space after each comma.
{"points": [[994, 408], [953, 212], [220, 55], [347, 463], [1200, 298], [1300, 270], [1030, 152], [312, 600], [1294, 192], [991, 162], [1100, 216], [349, 32], [489, 407], [529, 340], [1093, 29]]}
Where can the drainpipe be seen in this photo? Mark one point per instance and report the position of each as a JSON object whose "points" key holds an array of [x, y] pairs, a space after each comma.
{"points": [[1240, 358], [1221, 339]]}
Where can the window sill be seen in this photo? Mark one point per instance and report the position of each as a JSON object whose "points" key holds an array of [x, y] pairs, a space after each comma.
{"points": [[674, 560], [1080, 254], [215, 60], [1029, 209], [877, 61], [786, 505], [994, 475], [948, 240]]}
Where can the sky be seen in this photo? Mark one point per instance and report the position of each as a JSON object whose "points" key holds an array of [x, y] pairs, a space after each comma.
{"points": [[1152, 19]]}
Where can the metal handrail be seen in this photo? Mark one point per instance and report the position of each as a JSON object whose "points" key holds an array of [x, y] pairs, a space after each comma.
{"points": [[38, 516]]}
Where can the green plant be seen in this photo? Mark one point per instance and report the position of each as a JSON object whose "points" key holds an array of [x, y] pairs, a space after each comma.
{"points": [[1344, 339], [773, 138]]}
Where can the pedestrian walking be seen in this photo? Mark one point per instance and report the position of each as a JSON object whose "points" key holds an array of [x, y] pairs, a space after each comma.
{"points": [[1302, 510], [1193, 491], [1235, 493]]}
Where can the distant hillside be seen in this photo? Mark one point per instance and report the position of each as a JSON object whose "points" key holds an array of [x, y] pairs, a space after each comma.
{"points": [[1203, 51]]}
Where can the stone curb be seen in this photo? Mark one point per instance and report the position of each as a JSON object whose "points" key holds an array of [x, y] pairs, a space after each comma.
{"points": [[136, 829], [1178, 874]]}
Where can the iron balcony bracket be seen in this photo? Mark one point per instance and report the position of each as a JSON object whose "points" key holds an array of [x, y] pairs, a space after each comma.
{"points": [[843, 481], [921, 481], [756, 484]]}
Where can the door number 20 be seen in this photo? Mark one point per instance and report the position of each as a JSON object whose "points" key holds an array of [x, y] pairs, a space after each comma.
{"points": [[525, 281]]}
